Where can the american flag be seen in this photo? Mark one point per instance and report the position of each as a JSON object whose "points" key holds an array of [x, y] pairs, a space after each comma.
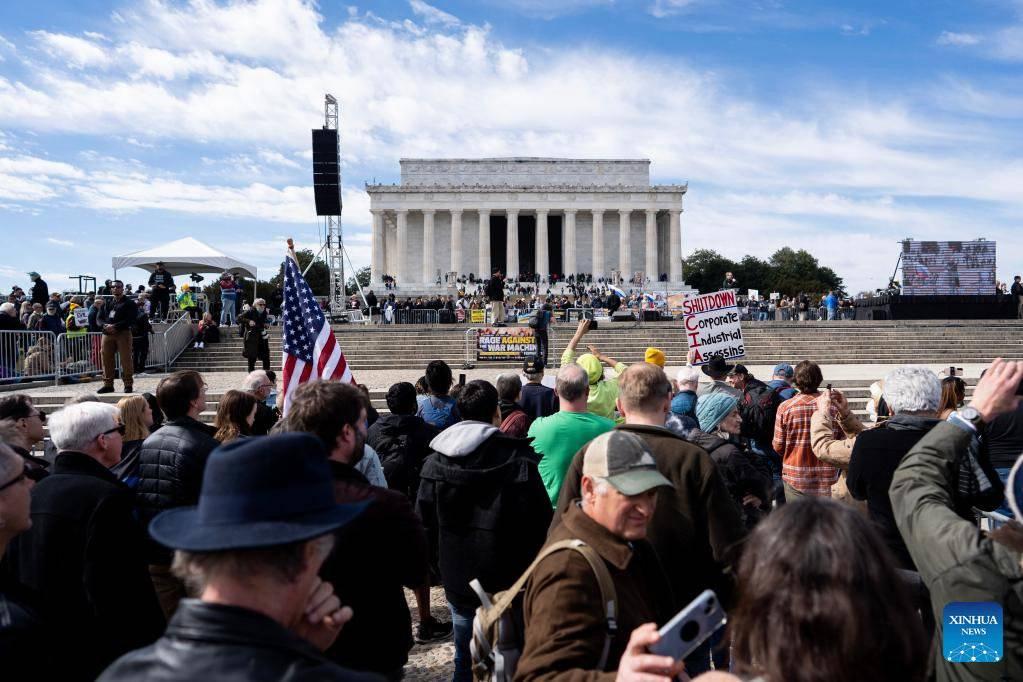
{"points": [[310, 349]]}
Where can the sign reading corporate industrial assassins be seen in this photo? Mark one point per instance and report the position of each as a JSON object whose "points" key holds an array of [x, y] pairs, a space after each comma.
{"points": [[712, 326], [505, 343]]}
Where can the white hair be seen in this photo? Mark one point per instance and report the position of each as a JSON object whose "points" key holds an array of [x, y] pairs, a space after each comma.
{"points": [[254, 380], [259, 301], [75, 426], [912, 389], [8, 309], [688, 375]]}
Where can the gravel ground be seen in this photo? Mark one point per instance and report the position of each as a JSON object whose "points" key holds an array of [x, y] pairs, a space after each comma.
{"points": [[431, 662]]}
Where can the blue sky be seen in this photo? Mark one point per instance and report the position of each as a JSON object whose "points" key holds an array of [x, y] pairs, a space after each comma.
{"points": [[836, 127]]}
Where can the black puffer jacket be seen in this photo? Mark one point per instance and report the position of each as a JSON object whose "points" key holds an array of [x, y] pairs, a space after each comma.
{"points": [[171, 463], [219, 642], [744, 473], [402, 441]]}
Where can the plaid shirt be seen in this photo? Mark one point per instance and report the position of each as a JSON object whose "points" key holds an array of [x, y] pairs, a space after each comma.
{"points": [[800, 467]]}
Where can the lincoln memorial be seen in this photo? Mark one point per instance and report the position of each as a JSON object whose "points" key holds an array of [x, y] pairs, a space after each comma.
{"points": [[525, 216]]}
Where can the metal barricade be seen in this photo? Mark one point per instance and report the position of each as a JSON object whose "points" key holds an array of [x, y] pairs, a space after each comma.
{"points": [[403, 316], [27, 356], [176, 339], [79, 355], [471, 346]]}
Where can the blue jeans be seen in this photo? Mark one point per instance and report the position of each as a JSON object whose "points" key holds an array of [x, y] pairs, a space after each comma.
{"points": [[1005, 508], [832, 313], [461, 623], [227, 311]]}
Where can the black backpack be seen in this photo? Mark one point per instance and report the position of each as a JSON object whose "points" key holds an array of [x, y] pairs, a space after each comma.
{"points": [[758, 408]]}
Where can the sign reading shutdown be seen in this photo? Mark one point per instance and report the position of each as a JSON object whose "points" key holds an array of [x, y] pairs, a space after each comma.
{"points": [[712, 326], [506, 343]]}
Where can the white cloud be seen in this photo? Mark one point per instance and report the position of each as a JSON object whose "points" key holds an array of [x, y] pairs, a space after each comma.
{"points": [[278, 159], [246, 81], [432, 15], [77, 52], [666, 8], [59, 242], [957, 39], [549, 9]]}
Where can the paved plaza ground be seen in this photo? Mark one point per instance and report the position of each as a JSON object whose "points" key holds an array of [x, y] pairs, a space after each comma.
{"points": [[381, 379]]}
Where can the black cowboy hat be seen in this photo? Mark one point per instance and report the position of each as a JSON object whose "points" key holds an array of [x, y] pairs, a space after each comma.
{"points": [[717, 365], [258, 492]]}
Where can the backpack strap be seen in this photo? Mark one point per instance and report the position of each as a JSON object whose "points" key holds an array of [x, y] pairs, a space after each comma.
{"points": [[503, 600]]}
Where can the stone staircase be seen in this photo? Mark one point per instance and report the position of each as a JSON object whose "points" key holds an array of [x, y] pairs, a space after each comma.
{"points": [[845, 343]]}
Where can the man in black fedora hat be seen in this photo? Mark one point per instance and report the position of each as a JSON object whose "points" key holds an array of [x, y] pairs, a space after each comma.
{"points": [[251, 551], [717, 369]]}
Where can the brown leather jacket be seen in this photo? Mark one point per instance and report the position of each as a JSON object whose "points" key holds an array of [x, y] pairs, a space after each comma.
{"points": [[562, 607]]}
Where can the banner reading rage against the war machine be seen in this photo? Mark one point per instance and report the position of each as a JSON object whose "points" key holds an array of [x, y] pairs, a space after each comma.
{"points": [[712, 326], [505, 343]]}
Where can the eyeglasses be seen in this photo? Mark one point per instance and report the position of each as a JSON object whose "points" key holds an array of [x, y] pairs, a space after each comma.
{"points": [[16, 480], [37, 413], [120, 428]]}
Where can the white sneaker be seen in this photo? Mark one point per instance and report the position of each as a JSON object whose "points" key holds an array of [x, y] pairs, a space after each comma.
{"points": [[195, 345], [202, 345]]}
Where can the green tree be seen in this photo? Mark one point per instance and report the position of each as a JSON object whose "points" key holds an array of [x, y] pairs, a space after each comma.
{"points": [[705, 270], [362, 277], [796, 271], [318, 276]]}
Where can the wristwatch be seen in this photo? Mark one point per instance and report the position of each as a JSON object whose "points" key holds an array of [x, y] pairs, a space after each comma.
{"points": [[971, 415]]}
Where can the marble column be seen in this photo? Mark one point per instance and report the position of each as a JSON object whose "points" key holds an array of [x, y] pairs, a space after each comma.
{"points": [[484, 243], [429, 268], [377, 261], [456, 241], [568, 257], [542, 254], [651, 245], [675, 245], [624, 243], [402, 270], [598, 243], [512, 259]]}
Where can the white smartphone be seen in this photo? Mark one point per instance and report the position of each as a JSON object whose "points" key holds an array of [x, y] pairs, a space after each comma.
{"points": [[690, 627]]}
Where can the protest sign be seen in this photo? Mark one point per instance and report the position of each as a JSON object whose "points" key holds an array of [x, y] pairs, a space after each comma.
{"points": [[505, 343], [477, 316], [712, 326], [753, 294], [81, 317]]}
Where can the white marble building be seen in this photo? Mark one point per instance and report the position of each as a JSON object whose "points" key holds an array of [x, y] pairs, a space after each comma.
{"points": [[525, 215]]}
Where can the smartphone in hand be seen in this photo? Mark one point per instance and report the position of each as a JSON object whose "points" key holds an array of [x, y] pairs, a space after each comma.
{"points": [[690, 627]]}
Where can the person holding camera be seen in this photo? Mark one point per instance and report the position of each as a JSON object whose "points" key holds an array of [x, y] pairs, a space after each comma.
{"points": [[956, 562]]}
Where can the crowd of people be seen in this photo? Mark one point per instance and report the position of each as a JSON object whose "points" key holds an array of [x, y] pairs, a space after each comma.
{"points": [[568, 523]]}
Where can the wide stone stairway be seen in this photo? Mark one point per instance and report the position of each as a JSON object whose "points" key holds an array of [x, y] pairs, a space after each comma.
{"points": [[878, 344], [848, 342]]}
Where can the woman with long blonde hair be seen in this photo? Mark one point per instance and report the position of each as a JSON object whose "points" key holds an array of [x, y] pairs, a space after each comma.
{"points": [[137, 417], [235, 414]]}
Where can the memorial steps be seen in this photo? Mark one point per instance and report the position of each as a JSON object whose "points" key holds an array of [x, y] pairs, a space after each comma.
{"points": [[856, 391], [828, 343]]}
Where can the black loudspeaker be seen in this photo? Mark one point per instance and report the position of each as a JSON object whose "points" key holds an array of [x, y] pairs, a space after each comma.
{"points": [[326, 173], [651, 315], [623, 316]]}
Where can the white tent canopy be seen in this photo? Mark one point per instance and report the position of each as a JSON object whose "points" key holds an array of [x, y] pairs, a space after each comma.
{"points": [[182, 257]]}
